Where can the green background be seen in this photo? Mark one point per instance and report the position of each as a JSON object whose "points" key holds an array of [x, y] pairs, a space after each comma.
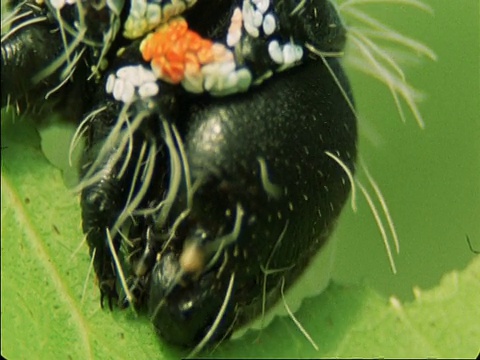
{"points": [[431, 181], [430, 177]]}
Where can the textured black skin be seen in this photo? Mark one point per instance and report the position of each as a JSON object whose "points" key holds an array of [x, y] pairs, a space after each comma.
{"points": [[289, 122], [102, 202], [317, 23], [24, 55], [31, 49]]}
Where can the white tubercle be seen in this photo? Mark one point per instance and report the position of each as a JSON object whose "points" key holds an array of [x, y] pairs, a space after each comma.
{"points": [[269, 24], [131, 82], [286, 54], [235, 29], [275, 52]]}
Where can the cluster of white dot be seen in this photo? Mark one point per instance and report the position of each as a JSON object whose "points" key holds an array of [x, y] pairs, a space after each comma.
{"points": [[219, 78], [255, 15], [132, 82], [146, 15], [224, 79], [286, 54]]}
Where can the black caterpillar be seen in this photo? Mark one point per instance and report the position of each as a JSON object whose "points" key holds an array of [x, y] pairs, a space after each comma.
{"points": [[220, 145]]}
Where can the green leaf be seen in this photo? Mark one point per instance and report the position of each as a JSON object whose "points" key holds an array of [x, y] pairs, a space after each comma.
{"points": [[45, 265], [357, 321]]}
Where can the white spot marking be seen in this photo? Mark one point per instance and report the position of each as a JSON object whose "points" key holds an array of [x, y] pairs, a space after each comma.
{"points": [[269, 24], [275, 52], [235, 30], [128, 93], [118, 89], [110, 84], [288, 54], [57, 4], [148, 90]]}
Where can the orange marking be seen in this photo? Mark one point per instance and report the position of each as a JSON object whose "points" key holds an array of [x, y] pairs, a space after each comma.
{"points": [[173, 50]]}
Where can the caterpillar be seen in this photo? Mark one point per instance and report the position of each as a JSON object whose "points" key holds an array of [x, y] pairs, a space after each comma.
{"points": [[221, 144]]}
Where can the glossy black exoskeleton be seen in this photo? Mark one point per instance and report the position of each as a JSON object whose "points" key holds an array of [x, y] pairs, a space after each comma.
{"points": [[48, 51], [261, 155]]}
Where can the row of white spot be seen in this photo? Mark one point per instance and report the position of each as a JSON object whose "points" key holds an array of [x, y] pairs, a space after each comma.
{"points": [[223, 79], [132, 82], [219, 78], [137, 82], [285, 55]]}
